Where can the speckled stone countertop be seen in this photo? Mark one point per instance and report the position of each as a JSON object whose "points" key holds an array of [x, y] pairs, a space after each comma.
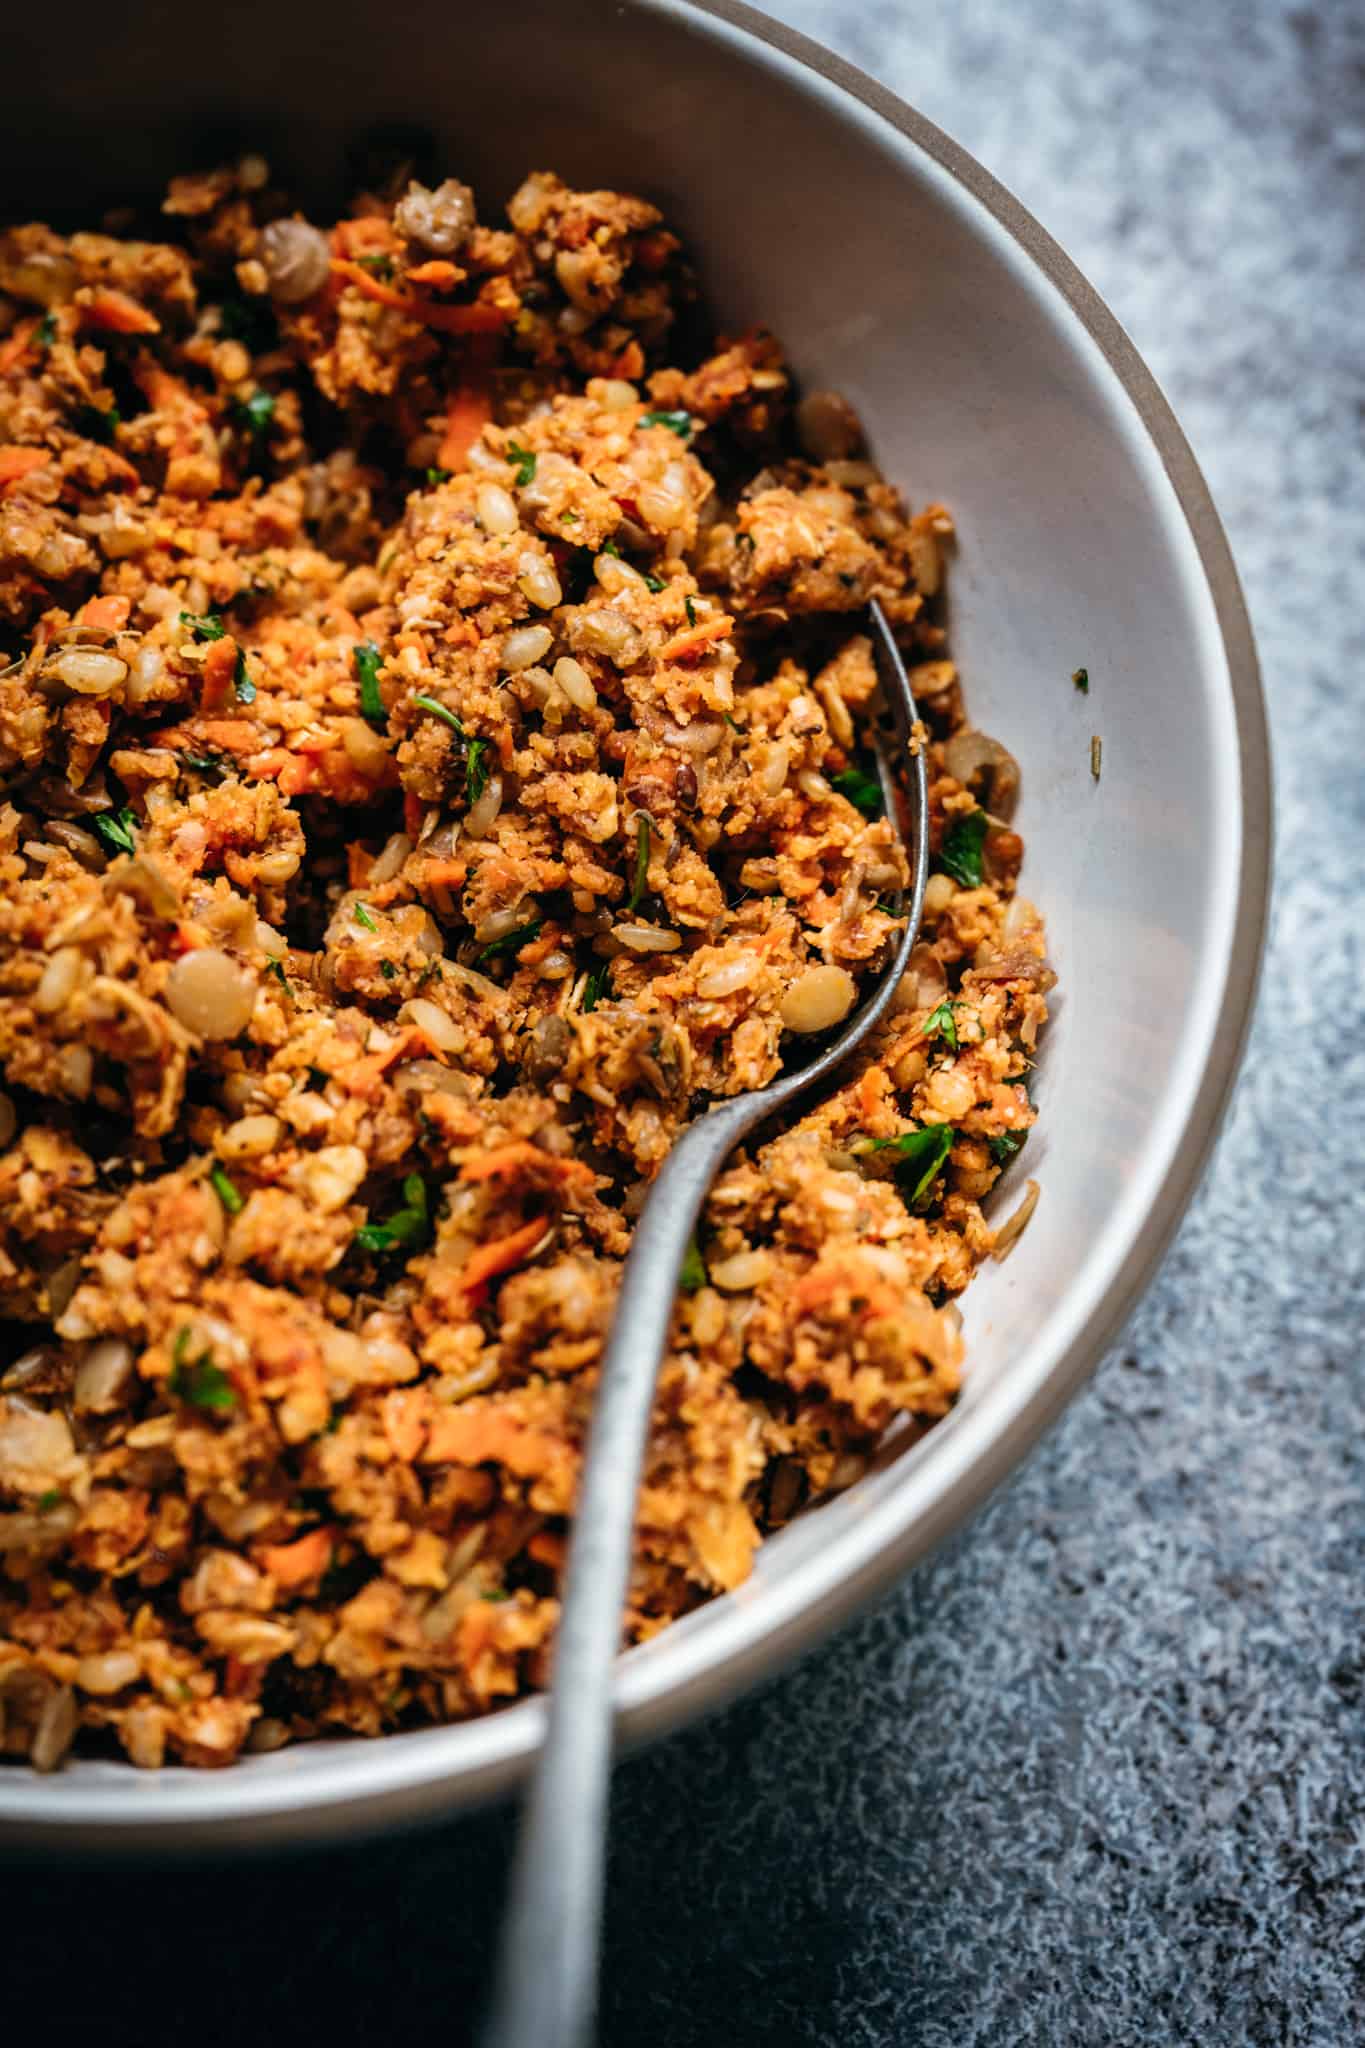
{"points": [[1095, 1774]]}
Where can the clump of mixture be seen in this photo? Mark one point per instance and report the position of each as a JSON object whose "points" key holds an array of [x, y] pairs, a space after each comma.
{"points": [[433, 766]]}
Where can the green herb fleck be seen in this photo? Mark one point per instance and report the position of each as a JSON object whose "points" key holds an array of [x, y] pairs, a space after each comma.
{"points": [[679, 423], [495, 1596], [1081, 678], [641, 882], [1006, 1146], [942, 1023], [863, 791], [475, 769], [436, 476], [569, 518], [960, 853], [596, 986], [692, 1274], [51, 1499], [206, 764], [425, 703], [379, 265], [732, 724], [691, 611], [511, 942], [363, 917], [116, 829], [367, 660], [203, 625], [655, 583], [226, 1192], [387, 969], [408, 1227], [609, 547], [47, 330], [276, 967], [525, 462], [198, 1380], [241, 681], [97, 425], [255, 413], [921, 1157]]}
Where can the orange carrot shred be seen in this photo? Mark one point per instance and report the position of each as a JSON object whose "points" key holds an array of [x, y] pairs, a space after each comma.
{"points": [[17, 463], [290, 1564], [108, 614], [116, 313], [696, 637]]}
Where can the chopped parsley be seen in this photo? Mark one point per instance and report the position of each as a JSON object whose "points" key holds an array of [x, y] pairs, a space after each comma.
{"points": [[363, 917], [436, 476], [255, 413], [367, 660], [943, 1024], [731, 723], [960, 853], [655, 583], [227, 1192], [379, 266], [863, 791], [206, 764], [475, 769], [203, 625], [921, 1158], [524, 460], [692, 1273], [198, 1380], [97, 425], [596, 986], [407, 1228], [276, 967], [1081, 678], [691, 611], [510, 942], [241, 681], [387, 969], [1006, 1146], [116, 829], [425, 703], [641, 882], [54, 1496], [679, 423], [47, 334]]}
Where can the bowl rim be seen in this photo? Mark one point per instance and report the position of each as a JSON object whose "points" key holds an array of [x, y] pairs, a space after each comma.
{"points": [[362, 1786]]}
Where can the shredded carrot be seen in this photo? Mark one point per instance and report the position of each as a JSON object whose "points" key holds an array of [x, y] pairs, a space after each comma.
{"points": [[501, 1255], [870, 1093], [160, 388], [695, 638], [477, 318], [17, 347], [290, 1564], [108, 614], [468, 412], [359, 861], [547, 1548], [436, 276], [117, 313], [445, 873], [233, 735], [507, 1159], [220, 669], [17, 463], [630, 363], [472, 1433], [363, 1076], [414, 811]]}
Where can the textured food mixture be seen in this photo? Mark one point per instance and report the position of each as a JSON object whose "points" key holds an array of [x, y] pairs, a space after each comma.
{"points": [[434, 763]]}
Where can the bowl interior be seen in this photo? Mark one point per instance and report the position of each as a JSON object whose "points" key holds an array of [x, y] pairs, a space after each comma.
{"points": [[983, 388]]}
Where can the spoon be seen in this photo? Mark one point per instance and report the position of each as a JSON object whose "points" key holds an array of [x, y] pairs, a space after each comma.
{"points": [[546, 1985]]}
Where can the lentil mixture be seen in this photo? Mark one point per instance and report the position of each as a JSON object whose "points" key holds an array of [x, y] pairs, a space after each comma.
{"points": [[434, 763]]}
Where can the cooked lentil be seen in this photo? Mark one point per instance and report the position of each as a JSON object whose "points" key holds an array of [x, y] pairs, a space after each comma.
{"points": [[431, 678]]}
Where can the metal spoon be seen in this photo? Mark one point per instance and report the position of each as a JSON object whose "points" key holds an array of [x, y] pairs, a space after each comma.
{"points": [[545, 1993]]}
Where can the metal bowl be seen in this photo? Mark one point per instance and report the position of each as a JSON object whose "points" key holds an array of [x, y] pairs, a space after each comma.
{"points": [[992, 378]]}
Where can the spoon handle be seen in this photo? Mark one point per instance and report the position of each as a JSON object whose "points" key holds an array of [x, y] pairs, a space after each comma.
{"points": [[546, 1985]]}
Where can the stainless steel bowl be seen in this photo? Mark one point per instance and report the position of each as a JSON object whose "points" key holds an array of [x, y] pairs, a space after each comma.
{"points": [[992, 378]]}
